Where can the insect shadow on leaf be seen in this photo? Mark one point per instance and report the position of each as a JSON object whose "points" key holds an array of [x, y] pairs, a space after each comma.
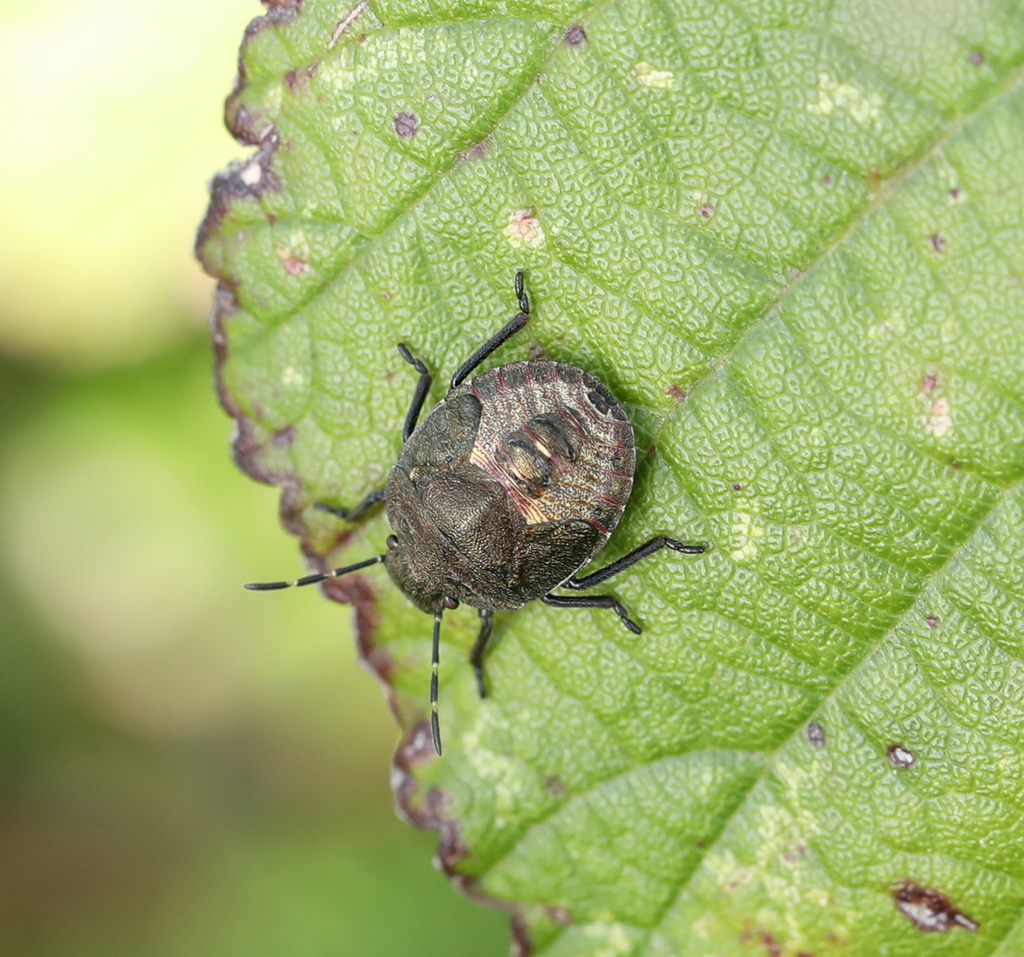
{"points": [[509, 486]]}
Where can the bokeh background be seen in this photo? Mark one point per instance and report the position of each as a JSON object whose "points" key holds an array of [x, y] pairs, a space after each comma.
{"points": [[186, 768]]}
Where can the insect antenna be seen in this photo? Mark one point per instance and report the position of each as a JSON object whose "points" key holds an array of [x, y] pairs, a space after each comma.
{"points": [[318, 577], [435, 654]]}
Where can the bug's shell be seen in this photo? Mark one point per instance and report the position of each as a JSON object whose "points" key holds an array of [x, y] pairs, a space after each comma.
{"points": [[510, 485]]}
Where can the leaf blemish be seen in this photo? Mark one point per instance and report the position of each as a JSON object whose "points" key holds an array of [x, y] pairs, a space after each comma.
{"points": [[297, 80], [864, 108], [559, 915], [524, 229], [772, 947], [451, 848], [900, 756], [933, 621], [290, 376], [242, 178], [293, 265], [746, 532], [705, 211], [417, 748], [976, 58], [522, 943], [816, 734], [284, 438], [475, 151], [576, 36], [794, 851], [555, 786], [251, 173], [928, 910], [678, 394], [939, 421], [656, 79], [938, 418], [407, 125]]}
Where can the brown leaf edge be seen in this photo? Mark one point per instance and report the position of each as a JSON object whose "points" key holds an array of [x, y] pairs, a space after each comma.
{"points": [[425, 810]]}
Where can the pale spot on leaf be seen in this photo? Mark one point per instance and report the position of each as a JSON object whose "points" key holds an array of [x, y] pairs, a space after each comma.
{"points": [[656, 79], [939, 421], [292, 376], [863, 106], [294, 265], [746, 533], [251, 173], [524, 228]]}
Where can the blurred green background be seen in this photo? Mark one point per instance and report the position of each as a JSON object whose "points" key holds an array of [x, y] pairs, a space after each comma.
{"points": [[185, 768]]}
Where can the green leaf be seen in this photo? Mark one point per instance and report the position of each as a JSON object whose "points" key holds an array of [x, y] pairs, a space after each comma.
{"points": [[789, 238]]}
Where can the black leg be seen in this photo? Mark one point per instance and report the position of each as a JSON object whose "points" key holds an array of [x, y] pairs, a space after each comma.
{"points": [[507, 332], [476, 656], [593, 601], [422, 388], [435, 725], [357, 511], [648, 548]]}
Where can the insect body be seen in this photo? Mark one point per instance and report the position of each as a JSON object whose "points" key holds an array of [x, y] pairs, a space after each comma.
{"points": [[513, 482], [510, 485]]}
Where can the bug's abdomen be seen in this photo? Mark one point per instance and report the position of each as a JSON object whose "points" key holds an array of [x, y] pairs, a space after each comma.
{"points": [[556, 440]]}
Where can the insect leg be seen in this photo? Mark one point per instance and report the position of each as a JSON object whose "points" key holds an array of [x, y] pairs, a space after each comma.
{"points": [[593, 601], [503, 335], [476, 656], [648, 548], [357, 511], [422, 387], [435, 654], [316, 577]]}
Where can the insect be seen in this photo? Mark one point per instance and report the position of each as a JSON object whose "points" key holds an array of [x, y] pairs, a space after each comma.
{"points": [[509, 486]]}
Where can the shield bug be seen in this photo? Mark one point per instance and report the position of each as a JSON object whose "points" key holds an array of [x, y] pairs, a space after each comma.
{"points": [[509, 486]]}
